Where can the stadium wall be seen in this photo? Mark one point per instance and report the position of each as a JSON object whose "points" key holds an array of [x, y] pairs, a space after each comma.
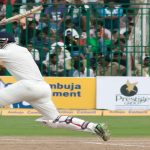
{"points": [[68, 93], [94, 94]]}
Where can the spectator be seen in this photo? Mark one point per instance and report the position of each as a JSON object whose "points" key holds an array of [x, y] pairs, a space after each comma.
{"points": [[115, 35], [120, 58], [35, 54], [42, 42], [111, 14], [72, 42], [105, 38], [109, 68], [82, 71], [54, 67], [42, 38], [55, 14], [28, 33], [143, 69], [120, 44], [124, 3], [59, 49], [63, 55], [72, 32], [3, 4], [94, 62], [2, 10], [77, 13], [16, 31]]}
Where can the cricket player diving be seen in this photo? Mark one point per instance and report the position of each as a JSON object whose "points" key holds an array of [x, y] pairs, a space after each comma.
{"points": [[32, 88]]}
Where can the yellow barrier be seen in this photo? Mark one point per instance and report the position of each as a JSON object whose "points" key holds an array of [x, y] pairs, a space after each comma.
{"points": [[33, 112], [69, 93], [125, 113], [73, 93]]}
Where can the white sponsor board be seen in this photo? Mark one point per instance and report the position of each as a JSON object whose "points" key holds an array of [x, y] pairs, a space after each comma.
{"points": [[123, 93]]}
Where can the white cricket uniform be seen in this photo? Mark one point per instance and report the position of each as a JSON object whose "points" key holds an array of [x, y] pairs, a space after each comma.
{"points": [[30, 85]]}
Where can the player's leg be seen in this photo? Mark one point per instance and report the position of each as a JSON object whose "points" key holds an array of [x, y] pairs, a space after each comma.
{"points": [[14, 93], [53, 119], [74, 123], [24, 90], [45, 107]]}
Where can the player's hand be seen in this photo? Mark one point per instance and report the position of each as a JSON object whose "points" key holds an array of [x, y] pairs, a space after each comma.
{"points": [[3, 21]]}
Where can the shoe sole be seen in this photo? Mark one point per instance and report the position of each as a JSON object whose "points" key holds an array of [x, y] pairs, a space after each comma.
{"points": [[102, 131]]}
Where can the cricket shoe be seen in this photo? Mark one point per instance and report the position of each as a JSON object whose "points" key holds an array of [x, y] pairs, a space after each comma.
{"points": [[102, 131]]}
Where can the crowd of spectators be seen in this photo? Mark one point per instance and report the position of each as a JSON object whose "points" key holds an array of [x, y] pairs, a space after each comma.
{"points": [[75, 37]]}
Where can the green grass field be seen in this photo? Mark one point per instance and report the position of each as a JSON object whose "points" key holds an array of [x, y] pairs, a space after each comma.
{"points": [[119, 127]]}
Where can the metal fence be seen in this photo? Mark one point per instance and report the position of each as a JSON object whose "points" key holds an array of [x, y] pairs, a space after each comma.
{"points": [[79, 39]]}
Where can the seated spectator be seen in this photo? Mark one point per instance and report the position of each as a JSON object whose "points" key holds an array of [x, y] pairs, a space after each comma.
{"points": [[28, 33], [104, 36], [77, 13], [115, 36], [55, 14], [72, 42], [125, 4], [2, 10], [35, 54], [18, 4], [120, 58], [55, 68], [93, 46], [82, 71], [60, 49], [120, 44], [42, 37], [73, 32], [111, 14], [109, 68], [143, 69], [63, 55], [94, 62], [89, 1]]}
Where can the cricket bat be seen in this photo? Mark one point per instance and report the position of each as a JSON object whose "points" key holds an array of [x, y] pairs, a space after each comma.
{"points": [[19, 16]]}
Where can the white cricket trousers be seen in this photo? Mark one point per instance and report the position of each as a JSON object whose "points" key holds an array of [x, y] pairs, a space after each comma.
{"points": [[37, 93]]}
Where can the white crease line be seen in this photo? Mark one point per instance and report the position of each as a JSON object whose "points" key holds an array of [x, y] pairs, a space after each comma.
{"points": [[118, 144]]}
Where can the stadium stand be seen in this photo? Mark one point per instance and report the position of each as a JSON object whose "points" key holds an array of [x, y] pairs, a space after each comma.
{"points": [[69, 34]]}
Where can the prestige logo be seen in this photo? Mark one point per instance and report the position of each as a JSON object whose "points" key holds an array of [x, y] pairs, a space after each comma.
{"points": [[129, 89], [129, 96]]}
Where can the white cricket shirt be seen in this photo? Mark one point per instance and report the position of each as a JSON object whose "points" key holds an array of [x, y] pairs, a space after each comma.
{"points": [[19, 62]]}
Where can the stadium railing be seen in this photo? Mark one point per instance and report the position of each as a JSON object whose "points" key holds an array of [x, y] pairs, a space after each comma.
{"points": [[93, 40]]}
